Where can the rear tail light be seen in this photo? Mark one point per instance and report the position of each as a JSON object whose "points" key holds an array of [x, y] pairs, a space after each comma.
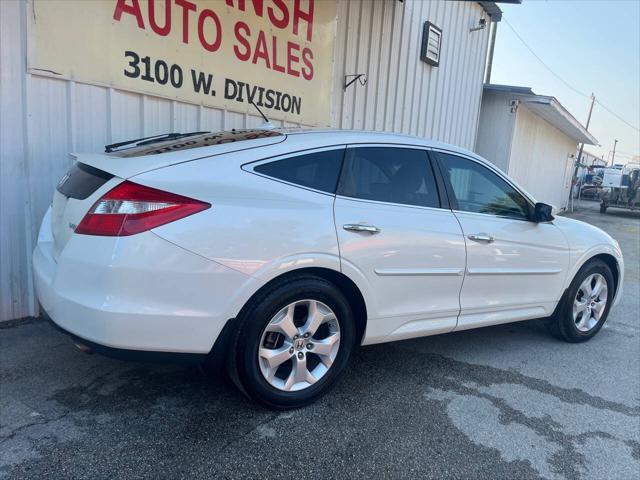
{"points": [[130, 208]]}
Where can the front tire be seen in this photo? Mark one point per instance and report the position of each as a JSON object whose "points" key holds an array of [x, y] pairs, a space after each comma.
{"points": [[293, 342], [585, 305]]}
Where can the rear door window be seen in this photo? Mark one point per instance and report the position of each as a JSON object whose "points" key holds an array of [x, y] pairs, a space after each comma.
{"points": [[389, 174], [317, 170]]}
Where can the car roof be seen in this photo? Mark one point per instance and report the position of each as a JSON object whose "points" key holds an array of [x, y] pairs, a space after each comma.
{"points": [[333, 136], [291, 137], [130, 161]]}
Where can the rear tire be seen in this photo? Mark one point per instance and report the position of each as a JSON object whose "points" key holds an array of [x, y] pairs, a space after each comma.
{"points": [[585, 305], [293, 342]]}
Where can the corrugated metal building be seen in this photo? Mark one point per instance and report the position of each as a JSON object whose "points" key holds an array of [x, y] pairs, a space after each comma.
{"points": [[532, 138], [43, 119]]}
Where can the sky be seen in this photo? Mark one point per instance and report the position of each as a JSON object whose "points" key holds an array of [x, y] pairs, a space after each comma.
{"points": [[594, 46]]}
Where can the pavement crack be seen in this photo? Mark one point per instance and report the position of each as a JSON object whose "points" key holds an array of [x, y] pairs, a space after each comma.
{"points": [[17, 430]]}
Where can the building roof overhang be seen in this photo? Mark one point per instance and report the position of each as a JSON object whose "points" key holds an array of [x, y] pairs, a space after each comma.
{"points": [[493, 10], [549, 109]]}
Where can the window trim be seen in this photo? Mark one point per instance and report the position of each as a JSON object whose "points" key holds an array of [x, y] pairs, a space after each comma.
{"points": [[452, 197], [441, 185], [249, 167], [442, 199]]}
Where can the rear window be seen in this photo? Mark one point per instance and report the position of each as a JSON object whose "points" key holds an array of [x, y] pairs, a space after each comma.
{"points": [[319, 170], [82, 180]]}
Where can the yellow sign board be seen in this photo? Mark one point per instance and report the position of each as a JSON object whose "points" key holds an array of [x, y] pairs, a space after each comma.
{"points": [[277, 54]]}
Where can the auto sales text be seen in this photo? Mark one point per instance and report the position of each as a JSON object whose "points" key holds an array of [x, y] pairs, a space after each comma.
{"points": [[287, 57]]}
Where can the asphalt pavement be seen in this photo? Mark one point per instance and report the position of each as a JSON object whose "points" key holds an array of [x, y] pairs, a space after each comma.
{"points": [[507, 402]]}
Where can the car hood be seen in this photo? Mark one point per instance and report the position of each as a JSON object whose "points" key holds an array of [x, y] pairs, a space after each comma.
{"points": [[583, 236]]}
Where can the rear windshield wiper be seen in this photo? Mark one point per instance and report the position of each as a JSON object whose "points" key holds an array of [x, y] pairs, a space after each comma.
{"points": [[149, 140]]}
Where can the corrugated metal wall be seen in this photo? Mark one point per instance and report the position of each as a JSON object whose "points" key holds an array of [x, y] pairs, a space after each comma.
{"points": [[495, 129], [43, 119], [540, 158], [404, 94]]}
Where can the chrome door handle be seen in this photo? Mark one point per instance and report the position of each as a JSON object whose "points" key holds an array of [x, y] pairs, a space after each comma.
{"points": [[481, 237], [358, 227]]}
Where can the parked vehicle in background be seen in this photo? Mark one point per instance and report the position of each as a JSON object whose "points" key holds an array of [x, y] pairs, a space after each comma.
{"points": [[278, 251], [620, 188], [589, 184]]}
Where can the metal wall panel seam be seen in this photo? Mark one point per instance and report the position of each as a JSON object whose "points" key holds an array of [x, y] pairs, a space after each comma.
{"points": [[425, 81], [338, 62], [412, 69], [433, 78], [30, 225], [477, 102], [435, 111], [462, 86], [402, 66], [370, 105], [394, 64], [362, 65], [384, 70], [450, 95]]}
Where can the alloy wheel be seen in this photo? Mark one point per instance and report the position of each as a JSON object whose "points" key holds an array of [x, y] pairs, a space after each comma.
{"points": [[299, 345], [590, 302]]}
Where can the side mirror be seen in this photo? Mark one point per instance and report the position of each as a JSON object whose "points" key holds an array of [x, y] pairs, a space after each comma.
{"points": [[542, 213]]}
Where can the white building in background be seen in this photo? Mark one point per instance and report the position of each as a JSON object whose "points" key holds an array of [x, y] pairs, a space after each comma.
{"points": [[79, 75], [532, 138], [591, 160]]}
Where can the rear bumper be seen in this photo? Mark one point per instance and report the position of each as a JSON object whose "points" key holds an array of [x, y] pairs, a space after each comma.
{"points": [[138, 293], [124, 354]]}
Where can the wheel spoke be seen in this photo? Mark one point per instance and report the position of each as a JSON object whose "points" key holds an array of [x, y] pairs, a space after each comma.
{"points": [[583, 323], [586, 286], [579, 307], [316, 317], [325, 346], [284, 324], [299, 374], [598, 308], [276, 356], [310, 378], [300, 369], [601, 296], [289, 382], [598, 287]]}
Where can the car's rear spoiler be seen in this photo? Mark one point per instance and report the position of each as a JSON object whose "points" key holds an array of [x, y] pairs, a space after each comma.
{"points": [[129, 166]]}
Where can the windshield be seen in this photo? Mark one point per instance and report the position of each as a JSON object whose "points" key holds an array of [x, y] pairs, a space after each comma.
{"points": [[184, 142]]}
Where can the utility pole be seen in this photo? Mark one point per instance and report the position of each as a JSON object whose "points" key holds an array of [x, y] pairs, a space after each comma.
{"points": [[615, 142], [574, 180], [593, 99]]}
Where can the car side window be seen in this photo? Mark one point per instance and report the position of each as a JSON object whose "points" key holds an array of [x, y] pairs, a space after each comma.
{"points": [[477, 189], [389, 174], [318, 170]]}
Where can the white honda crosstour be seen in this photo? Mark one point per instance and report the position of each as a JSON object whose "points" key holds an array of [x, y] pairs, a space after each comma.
{"points": [[275, 252]]}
